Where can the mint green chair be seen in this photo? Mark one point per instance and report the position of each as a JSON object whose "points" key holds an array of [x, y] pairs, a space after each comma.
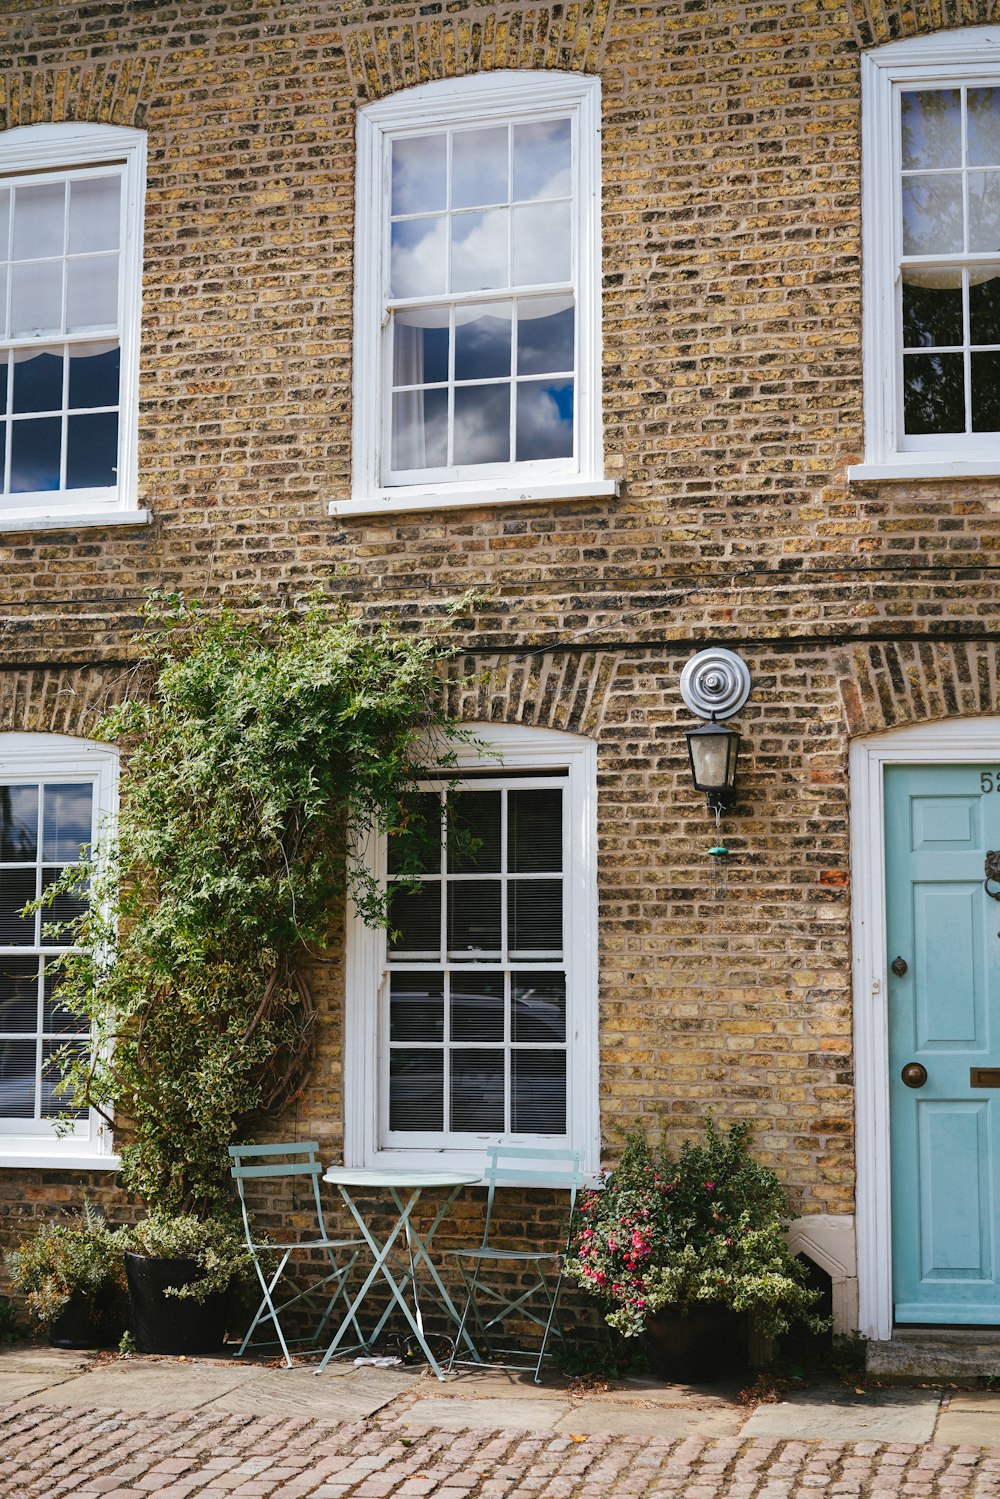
{"points": [[282, 1291], [487, 1305]]}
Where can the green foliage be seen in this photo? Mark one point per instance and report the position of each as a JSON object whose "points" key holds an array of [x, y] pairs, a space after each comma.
{"points": [[257, 757], [216, 1245], [79, 1258], [706, 1227], [10, 1328]]}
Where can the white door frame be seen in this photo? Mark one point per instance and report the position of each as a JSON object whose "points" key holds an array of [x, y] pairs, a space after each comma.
{"points": [[953, 741]]}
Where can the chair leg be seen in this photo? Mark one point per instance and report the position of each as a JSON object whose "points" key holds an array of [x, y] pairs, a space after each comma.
{"points": [[272, 1315], [552, 1318]]}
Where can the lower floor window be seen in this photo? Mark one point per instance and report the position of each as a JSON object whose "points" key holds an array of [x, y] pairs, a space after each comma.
{"points": [[482, 1026]]}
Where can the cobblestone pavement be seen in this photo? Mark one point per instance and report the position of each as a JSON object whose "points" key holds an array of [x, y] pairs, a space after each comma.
{"points": [[47, 1452]]}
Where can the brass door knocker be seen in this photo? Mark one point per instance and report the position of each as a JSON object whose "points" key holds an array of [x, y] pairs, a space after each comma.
{"points": [[992, 868]]}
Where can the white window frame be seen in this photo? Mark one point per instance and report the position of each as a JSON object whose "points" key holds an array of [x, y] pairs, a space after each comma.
{"points": [[31, 757], [969, 56], [500, 97], [52, 149], [516, 748]]}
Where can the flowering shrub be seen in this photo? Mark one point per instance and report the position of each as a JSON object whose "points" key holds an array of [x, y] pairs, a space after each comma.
{"points": [[706, 1227]]}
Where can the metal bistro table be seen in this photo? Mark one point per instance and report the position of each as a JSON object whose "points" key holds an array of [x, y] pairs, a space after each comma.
{"points": [[397, 1183]]}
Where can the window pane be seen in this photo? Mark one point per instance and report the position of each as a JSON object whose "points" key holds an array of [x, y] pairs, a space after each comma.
{"points": [[424, 850], [34, 454], [94, 372], [17, 887], [544, 420], [473, 918], [17, 1079], [479, 250], [418, 257], [534, 916], [415, 916], [932, 308], [932, 215], [57, 1017], [3, 304], [534, 831], [419, 174], [539, 1007], [986, 392], [933, 393], [39, 217], [477, 1004], [542, 160], [984, 211], [92, 293], [931, 127], [94, 214], [984, 127], [36, 299], [479, 167], [477, 1090], [543, 245], [67, 822], [545, 328], [420, 347], [538, 1092], [4, 222], [18, 823], [482, 342], [92, 451], [54, 1104], [482, 424], [984, 304], [38, 381], [416, 1088], [420, 429], [66, 907], [474, 816], [416, 1007], [18, 994]]}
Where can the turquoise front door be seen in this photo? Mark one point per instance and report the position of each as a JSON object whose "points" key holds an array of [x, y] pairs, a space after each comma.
{"points": [[943, 964]]}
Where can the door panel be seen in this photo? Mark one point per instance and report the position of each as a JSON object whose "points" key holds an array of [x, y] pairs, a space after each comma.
{"points": [[944, 1012]]}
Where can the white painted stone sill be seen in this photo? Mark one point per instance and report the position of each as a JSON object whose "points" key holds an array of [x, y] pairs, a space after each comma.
{"points": [[38, 521], [901, 473], [399, 501], [49, 1160]]}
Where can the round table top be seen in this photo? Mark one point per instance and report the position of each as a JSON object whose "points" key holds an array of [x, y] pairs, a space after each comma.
{"points": [[400, 1176]]}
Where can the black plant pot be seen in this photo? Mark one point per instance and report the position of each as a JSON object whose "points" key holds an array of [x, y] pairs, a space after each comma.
{"points": [[696, 1346], [79, 1325], [172, 1324]]}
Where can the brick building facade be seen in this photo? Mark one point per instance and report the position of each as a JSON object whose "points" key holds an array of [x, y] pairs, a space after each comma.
{"points": [[731, 501]]}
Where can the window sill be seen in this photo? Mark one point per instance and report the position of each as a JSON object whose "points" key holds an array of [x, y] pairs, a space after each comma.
{"points": [[67, 521], [398, 501], [40, 1158], [903, 471]]}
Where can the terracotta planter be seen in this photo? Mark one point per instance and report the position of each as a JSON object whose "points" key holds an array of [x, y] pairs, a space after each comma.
{"points": [[694, 1346], [172, 1324]]}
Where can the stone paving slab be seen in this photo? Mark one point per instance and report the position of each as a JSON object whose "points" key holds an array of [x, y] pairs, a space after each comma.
{"points": [[883, 1416], [146, 1386], [594, 1419], [301, 1392], [452, 1413], [975, 1427]]}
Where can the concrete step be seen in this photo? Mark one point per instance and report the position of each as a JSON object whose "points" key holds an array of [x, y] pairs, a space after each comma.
{"points": [[958, 1355]]}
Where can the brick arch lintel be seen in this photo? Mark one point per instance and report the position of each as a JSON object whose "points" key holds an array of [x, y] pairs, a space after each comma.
{"points": [[891, 685], [876, 22], [384, 57], [57, 700], [549, 689], [115, 92]]}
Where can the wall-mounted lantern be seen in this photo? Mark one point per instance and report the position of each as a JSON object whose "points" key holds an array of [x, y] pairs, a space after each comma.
{"points": [[714, 684]]}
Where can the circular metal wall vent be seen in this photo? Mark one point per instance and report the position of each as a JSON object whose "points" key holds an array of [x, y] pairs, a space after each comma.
{"points": [[716, 682]]}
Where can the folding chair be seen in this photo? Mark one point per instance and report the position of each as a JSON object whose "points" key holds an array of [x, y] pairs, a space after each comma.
{"points": [[290, 1162], [506, 1164]]}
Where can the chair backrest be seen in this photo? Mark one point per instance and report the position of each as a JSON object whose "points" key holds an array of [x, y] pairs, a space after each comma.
{"points": [[287, 1160], [524, 1165]]}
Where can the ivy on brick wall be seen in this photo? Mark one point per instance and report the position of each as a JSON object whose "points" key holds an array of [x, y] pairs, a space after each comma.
{"points": [[257, 758]]}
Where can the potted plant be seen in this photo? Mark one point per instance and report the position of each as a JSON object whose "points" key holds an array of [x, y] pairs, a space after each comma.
{"points": [[674, 1248], [72, 1276], [258, 751], [180, 1270]]}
